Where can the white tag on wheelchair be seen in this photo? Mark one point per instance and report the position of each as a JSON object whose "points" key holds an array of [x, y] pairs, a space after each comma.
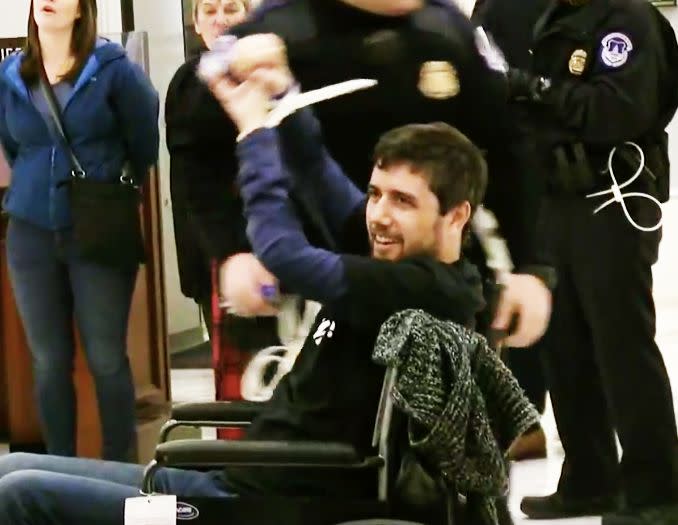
{"points": [[151, 510]]}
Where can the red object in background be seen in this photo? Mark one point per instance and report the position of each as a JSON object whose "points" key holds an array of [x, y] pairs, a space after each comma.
{"points": [[228, 361], [4, 171]]}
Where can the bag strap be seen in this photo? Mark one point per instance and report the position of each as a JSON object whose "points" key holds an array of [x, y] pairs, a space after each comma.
{"points": [[55, 114]]}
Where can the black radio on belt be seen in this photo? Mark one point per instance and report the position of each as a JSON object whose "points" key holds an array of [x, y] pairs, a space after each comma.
{"points": [[574, 173]]}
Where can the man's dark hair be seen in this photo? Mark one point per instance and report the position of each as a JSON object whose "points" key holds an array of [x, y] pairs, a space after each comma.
{"points": [[452, 164]]}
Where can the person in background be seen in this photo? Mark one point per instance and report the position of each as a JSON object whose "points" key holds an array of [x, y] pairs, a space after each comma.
{"points": [[212, 17], [110, 114], [209, 227]]}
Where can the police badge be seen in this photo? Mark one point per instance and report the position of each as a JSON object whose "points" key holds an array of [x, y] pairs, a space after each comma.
{"points": [[438, 80], [577, 62]]}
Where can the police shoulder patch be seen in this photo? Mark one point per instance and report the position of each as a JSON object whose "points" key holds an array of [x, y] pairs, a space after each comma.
{"points": [[615, 49]]}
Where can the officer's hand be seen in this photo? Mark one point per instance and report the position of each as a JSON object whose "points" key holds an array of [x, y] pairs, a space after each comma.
{"points": [[523, 85], [247, 104], [276, 81], [519, 83], [526, 298], [241, 278], [257, 51]]}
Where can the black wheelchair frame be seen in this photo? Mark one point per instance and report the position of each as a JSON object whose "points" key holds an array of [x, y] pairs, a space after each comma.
{"points": [[213, 454]]}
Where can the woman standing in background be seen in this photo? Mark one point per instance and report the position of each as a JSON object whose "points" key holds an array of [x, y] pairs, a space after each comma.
{"points": [[109, 110]]}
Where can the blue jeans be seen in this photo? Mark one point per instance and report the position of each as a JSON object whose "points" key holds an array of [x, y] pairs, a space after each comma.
{"points": [[53, 490], [52, 287]]}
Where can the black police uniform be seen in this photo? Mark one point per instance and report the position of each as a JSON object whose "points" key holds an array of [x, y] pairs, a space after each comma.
{"points": [[604, 73], [429, 69], [510, 23]]}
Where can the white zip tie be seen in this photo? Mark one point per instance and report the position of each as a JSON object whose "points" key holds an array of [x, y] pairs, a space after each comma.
{"points": [[618, 196]]}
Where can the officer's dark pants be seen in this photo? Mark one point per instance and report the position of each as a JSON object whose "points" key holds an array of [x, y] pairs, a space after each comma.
{"points": [[604, 370], [525, 363]]}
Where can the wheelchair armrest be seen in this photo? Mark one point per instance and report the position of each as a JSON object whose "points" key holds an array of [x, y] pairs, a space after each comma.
{"points": [[219, 411], [219, 453]]}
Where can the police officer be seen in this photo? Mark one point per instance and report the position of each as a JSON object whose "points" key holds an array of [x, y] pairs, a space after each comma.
{"points": [[429, 68], [603, 77], [510, 23]]}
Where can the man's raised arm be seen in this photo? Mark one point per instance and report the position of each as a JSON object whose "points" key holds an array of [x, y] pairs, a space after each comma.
{"points": [[274, 231]]}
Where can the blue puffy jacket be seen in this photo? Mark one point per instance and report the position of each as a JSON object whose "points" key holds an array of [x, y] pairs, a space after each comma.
{"points": [[111, 119]]}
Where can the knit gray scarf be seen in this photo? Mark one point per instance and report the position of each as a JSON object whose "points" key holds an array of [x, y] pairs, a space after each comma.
{"points": [[464, 406]]}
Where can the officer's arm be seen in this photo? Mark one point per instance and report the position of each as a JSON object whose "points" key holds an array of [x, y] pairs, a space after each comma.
{"points": [[617, 99], [315, 172], [509, 164]]}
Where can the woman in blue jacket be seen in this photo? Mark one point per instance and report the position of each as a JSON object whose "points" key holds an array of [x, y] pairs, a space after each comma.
{"points": [[110, 114]]}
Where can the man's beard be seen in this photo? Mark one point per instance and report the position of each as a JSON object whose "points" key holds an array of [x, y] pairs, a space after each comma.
{"points": [[427, 251]]}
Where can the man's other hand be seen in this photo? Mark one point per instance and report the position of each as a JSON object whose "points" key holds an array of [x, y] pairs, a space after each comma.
{"points": [[241, 278], [526, 298]]}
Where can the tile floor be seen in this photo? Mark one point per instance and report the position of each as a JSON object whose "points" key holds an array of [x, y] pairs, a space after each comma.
{"points": [[536, 477]]}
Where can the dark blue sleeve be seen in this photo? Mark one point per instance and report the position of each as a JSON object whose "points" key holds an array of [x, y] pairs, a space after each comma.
{"points": [[276, 236], [315, 172], [136, 104], [9, 147]]}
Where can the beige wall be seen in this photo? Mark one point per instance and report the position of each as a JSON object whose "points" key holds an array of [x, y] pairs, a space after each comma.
{"points": [[13, 19], [672, 14], [162, 19]]}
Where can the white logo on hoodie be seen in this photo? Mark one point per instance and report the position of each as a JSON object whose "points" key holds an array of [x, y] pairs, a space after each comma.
{"points": [[325, 329]]}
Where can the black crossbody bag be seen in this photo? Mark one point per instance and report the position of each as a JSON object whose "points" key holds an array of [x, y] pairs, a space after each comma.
{"points": [[106, 215]]}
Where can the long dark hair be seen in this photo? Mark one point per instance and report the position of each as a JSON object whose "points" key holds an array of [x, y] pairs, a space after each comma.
{"points": [[83, 40]]}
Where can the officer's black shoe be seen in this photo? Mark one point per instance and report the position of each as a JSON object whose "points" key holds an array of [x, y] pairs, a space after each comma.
{"points": [[556, 506], [665, 515]]}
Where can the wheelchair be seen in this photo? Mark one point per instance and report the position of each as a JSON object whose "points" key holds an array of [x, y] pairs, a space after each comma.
{"points": [[388, 507]]}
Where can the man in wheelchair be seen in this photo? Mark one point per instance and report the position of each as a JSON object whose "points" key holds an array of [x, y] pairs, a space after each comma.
{"points": [[402, 250]]}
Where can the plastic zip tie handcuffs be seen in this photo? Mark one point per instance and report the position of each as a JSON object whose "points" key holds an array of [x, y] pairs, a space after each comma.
{"points": [[616, 190]]}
